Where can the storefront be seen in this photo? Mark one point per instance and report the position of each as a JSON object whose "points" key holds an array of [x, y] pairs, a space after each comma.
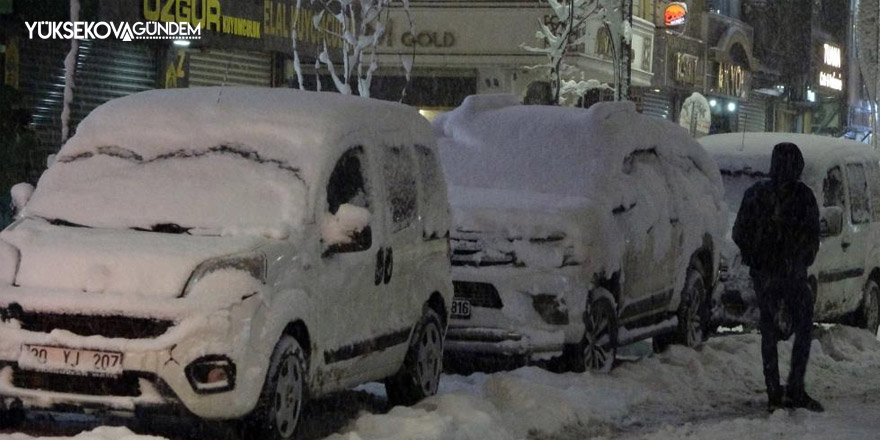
{"points": [[241, 43], [463, 50]]}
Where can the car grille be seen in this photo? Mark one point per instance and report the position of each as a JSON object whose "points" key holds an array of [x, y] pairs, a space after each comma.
{"points": [[478, 294], [126, 385], [472, 253], [87, 325]]}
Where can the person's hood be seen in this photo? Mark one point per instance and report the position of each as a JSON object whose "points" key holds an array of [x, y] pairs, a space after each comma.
{"points": [[787, 163], [128, 262]]}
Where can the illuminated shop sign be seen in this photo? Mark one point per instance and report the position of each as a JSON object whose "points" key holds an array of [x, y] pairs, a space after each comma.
{"points": [[832, 80], [832, 55], [731, 80], [675, 14], [830, 75]]}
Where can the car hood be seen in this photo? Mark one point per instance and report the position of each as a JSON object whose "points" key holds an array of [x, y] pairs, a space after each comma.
{"points": [[529, 225], [114, 261]]}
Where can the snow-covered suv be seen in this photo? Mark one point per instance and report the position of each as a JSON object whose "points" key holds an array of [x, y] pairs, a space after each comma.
{"points": [[577, 231], [232, 251], [845, 178]]}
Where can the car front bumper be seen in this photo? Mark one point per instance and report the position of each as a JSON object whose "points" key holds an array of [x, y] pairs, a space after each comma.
{"points": [[154, 369], [513, 325]]}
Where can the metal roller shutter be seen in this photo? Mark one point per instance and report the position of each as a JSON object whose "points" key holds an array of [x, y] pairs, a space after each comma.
{"points": [[657, 104], [105, 70], [229, 68], [753, 114]]}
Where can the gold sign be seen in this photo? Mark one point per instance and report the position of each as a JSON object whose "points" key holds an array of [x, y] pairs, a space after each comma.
{"points": [[731, 80]]}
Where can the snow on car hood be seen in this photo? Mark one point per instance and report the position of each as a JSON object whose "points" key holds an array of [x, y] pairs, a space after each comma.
{"points": [[545, 230], [119, 261]]}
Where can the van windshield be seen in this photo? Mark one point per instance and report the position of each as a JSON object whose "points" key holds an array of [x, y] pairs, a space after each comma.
{"points": [[220, 190]]}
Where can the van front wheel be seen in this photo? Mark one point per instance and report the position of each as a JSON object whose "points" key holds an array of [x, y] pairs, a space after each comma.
{"points": [[870, 311], [278, 411], [419, 376]]}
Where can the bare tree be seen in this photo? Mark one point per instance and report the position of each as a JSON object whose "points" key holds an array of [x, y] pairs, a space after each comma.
{"points": [[565, 36], [361, 26]]}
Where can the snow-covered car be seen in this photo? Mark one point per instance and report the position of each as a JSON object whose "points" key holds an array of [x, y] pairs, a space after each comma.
{"points": [[231, 251], [577, 231], [845, 178]]}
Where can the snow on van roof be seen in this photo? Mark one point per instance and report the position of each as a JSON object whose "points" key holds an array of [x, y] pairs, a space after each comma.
{"points": [[491, 141], [186, 156], [289, 125], [750, 152]]}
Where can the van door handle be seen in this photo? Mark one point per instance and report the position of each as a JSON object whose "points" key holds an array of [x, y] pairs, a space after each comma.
{"points": [[389, 265], [379, 274], [845, 245]]}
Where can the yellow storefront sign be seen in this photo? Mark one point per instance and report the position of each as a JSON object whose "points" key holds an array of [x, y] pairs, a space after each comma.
{"points": [[206, 13]]}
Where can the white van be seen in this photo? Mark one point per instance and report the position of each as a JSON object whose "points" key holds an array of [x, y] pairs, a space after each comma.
{"points": [[232, 251], [577, 231], [845, 178]]}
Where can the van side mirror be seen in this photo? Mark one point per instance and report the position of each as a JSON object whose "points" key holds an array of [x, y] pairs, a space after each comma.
{"points": [[21, 194], [830, 221], [346, 231]]}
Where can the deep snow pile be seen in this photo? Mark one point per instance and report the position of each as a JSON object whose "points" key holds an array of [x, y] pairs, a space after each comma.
{"points": [[680, 385], [101, 433]]}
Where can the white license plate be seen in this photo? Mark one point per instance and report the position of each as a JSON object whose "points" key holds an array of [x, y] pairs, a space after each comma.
{"points": [[461, 309], [70, 361]]}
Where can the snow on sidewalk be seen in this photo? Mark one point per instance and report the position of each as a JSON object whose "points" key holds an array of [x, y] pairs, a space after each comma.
{"points": [[666, 392], [101, 433], [714, 393]]}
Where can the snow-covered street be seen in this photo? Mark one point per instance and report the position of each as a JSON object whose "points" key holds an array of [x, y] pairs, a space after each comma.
{"points": [[713, 393]]}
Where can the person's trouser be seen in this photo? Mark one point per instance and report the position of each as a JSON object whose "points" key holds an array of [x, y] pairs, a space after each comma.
{"points": [[795, 295]]}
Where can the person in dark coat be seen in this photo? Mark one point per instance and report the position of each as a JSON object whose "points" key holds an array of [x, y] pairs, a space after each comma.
{"points": [[777, 231]]}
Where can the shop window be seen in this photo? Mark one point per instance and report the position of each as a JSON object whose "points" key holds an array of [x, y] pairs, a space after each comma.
{"points": [[401, 186]]}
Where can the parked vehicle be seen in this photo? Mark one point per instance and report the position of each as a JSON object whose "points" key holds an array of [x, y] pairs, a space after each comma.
{"points": [[845, 178], [231, 251], [577, 231]]}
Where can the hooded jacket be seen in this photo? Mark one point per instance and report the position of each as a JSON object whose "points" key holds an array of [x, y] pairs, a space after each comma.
{"points": [[777, 227]]}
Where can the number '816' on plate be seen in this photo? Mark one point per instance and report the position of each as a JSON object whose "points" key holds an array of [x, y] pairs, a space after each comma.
{"points": [[70, 361], [461, 309]]}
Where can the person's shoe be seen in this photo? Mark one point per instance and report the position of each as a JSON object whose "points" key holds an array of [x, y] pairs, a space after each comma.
{"points": [[803, 400], [776, 400]]}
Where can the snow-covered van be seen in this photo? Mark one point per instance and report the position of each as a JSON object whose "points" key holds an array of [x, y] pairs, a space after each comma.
{"points": [[577, 231], [845, 178], [230, 251]]}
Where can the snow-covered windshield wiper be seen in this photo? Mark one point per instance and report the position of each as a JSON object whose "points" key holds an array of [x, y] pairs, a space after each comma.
{"points": [[62, 222], [166, 228]]}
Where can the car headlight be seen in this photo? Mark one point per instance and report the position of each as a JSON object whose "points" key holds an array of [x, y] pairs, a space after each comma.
{"points": [[253, 264], [9, 260]]}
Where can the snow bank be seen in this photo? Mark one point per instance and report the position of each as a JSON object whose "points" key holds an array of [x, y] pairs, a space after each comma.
{"points": [[101, 433], [490, 142], [674, 387]]}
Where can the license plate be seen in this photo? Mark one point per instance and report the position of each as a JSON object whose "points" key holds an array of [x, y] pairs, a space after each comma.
{"points": [[70, 361], [461, 309]]}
